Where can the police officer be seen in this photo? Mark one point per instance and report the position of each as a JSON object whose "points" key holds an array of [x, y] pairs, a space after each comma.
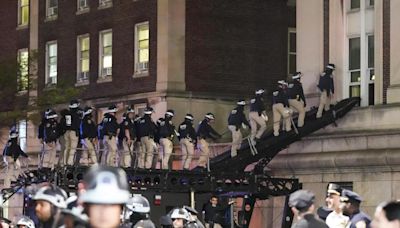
{"points": [[180, 218], [302, 205], [110, 131], [236, 120], [335, 219], [11, 153], [147, 130], [204, 132], [187, 139], [257, 116], [107, 192], [25, 222], [50, 201], [297, 100], [194, 219], [166, 132], [128, 136], [70, 123], [280, 107], [351, 202], [326, 88], [88, 133], [49, 136], [137, 212]]}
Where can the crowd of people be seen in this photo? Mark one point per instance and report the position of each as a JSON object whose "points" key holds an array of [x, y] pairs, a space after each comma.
{"points": [[91, 206], [342, 210]]}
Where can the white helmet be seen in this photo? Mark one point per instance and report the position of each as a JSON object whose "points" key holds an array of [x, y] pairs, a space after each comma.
{"points": [[25, 221], [180, 213], [105, 185], [138, 204], [53, 195]]}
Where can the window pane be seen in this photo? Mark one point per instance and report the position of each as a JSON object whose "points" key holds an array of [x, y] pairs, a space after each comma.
{"points": [[85, 65], [107, 39], [372, 75], [53, 3], [355, 76], [53, 50], [371, 94], [355, 91], [143, 31], [292, 42], [354, 4], [144, 55], [107, 51], [354, 53], [84, 43], [371, 53], [371, 2], [107, 61], [144, 44], [24, 2], [23, 73], [53, 71], [292, 63], [25, 15], [84, 54]]}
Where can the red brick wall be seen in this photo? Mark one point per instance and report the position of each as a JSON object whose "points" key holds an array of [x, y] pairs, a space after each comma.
{"points": [[235, 46], [121, 18]]}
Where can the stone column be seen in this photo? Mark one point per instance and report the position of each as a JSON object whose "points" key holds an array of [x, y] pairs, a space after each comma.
{"points": [[170, 45], [393, 93], [310, 58]]}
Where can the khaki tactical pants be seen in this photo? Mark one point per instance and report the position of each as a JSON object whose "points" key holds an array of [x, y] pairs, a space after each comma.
{"points": [[126, 154], [71, 142], [204, 153], [324, 103], [167, 147], [148, 147], [187, 148], [280, 111], [91, 152], [255, 120], [112, 150], [49, 157], [62, 159], [236, 139], [299, 107], [13, 170], [140, 154]]}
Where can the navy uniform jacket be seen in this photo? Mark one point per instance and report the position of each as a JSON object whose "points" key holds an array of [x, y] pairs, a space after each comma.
{"points": [[326, 83], [147, 127], [280, 96], [186, 130], [295, 91], [127, 124], [88, 128], [165, 128], [50, 130], [71, 120], [110, 125], [237, 117], [206, 131], [310, 221], [12, 149], [359, 216], [257, 105]]}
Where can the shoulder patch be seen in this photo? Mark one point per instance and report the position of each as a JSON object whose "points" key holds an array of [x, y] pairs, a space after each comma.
{"points": [[48, 125], [182, 127], [253, 101], [291, 85], [89, 121], [234, 111], [275, 93], [126, 123]]}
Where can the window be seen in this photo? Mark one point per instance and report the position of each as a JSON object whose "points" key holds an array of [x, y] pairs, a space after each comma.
{"points": [[371, 70], [23, 12], [83, 48], [142, 47], [291, 51], [22, 134], [344, 185], [51, 63], [23, 61], [105, 3], [355, 4], [52, 8], [371, 2], [354, 67], [82, 5], [105, 53]]}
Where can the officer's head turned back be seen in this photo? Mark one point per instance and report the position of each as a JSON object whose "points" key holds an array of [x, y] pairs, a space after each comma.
{"points": [[74, 104], [297, 76], [169, 113], [209, 117], [112, 110], [259, 92], [330, 67]]}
